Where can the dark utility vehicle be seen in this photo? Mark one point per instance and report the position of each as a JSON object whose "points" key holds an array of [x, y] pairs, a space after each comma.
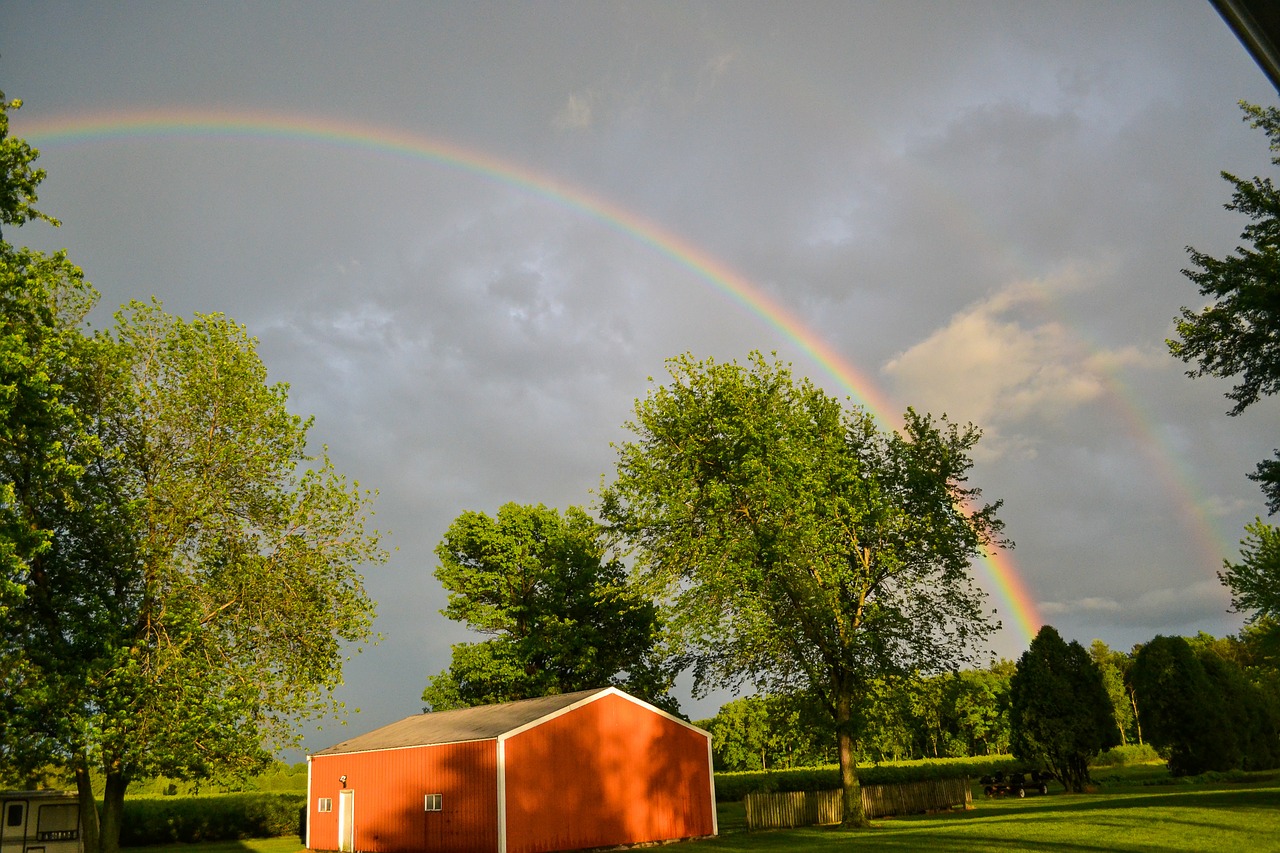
{"points": [[1016, 784]]}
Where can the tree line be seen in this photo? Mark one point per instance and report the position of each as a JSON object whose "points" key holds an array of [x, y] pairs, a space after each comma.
{"points": [[1204, 703]]}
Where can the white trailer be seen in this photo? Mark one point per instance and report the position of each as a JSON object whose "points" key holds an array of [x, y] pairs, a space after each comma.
{"points": [[40, 822]]}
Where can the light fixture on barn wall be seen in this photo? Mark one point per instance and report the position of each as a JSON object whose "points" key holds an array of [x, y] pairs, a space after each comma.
{"points": [[343, 780]]}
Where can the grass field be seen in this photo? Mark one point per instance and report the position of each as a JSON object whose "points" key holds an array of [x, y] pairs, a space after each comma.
{"points": [[1206, 817], [1215, 818]]}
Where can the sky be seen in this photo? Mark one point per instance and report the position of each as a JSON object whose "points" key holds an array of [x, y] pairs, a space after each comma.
{"points": [[469, 235]]}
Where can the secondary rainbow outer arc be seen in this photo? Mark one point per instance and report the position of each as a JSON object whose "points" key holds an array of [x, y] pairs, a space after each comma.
{"points": [[108, 126]]}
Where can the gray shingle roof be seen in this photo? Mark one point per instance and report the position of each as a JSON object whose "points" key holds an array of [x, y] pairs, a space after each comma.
{"points": [[485, 722]]}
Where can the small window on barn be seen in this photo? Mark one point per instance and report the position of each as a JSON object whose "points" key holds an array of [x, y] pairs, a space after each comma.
{"points": [[432, 803], [324, 804]]}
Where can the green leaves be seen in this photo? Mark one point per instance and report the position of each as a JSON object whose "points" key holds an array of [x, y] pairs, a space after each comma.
{"points": [[562, 614], [1060, 711], [195, 573], [1255, 580], [18, 178], [177, 575], [795, 543], [1237, 335]]}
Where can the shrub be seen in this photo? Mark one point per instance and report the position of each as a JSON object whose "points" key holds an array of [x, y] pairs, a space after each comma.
{"points": [[212, 818], [1123, 756]]}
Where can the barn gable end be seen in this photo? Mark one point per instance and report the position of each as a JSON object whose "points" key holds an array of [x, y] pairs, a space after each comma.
{"points": [[623, 770]]}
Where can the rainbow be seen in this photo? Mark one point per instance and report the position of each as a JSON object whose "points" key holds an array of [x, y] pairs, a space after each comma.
{"points": [[158, 124]]}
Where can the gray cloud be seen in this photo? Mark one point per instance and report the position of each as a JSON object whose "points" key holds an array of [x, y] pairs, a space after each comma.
{"points": [[982, 207]]}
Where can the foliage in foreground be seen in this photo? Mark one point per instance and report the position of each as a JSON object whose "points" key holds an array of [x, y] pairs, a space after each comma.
{"points": [[1237, 335], [178, 573]]}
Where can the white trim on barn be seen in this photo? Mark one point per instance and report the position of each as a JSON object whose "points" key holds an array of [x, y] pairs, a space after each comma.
{"points": [[306, 830], [502, 795]]}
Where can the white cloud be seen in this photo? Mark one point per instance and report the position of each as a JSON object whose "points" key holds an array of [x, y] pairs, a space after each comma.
{"points": [[1007, 362]]}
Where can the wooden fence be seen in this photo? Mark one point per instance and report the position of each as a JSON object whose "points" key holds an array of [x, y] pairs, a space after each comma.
{"points": [[810, 808]]}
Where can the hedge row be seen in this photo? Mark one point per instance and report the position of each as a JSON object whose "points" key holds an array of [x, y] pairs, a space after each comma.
{"points": [[731, 787], [210, 818]]}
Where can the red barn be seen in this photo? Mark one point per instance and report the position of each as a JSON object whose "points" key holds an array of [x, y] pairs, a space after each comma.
{"points": [[597, 768]]}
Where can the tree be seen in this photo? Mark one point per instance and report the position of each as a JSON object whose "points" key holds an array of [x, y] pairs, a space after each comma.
{"points": [[1181, 710], [982, 709], [1060, 712], [795, 544], [1255, 580], [18, 177], [201, 576], [888, 730], [178, 575], [1111, 666], [1238, 335], [740, 735], [562, 615], [769, 732]]}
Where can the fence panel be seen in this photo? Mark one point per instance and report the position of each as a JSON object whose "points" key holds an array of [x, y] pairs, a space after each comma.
{"points": [[815, 808]]}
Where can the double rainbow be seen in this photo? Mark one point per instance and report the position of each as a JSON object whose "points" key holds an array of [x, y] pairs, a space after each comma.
{"points": [[246, 125]]}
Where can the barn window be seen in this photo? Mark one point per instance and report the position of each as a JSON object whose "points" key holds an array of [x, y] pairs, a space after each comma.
{"points": [[325, 804], [432, 803]]}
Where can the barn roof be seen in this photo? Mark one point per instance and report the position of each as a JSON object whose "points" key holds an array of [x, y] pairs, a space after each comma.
{"points": [[484, 722]]}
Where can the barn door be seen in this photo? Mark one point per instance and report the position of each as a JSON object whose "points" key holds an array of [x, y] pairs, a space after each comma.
{"points": [[347, 821]]}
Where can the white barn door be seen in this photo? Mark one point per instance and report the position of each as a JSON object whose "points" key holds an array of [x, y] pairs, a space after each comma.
{"points": [[346, 821]]}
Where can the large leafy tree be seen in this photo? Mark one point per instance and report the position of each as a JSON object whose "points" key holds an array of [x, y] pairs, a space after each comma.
{"points": [[1060, 712], [560, 611], [179, 574], [795, 544], [1237, 335]]}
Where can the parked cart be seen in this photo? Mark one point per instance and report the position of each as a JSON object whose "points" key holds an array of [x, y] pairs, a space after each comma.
{"points": [[1016, 784]]}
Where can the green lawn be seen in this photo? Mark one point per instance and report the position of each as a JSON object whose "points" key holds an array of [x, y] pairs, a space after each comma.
{"points": [[1209, 818]]}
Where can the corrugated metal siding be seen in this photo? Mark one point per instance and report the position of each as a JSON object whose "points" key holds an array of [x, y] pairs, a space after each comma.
{"points": [[610, 772], [390, 787]]}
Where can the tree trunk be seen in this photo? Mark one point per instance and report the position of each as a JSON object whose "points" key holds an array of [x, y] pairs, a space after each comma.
{"points": [[1137, 723], [854, 816], [88, 807], [112, 811]]}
